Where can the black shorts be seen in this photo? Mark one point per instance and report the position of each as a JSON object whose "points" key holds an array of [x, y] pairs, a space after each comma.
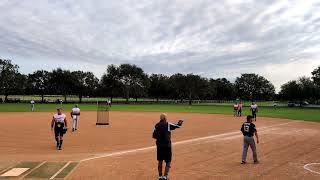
{"points": [[58, 130], [164, 153], [254, 113]]}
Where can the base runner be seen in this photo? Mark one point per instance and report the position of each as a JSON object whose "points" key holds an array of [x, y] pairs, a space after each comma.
{"points": [[75, 115], [59, 125], [240, 106], [248, 129], [162, 133], [254, 110]]}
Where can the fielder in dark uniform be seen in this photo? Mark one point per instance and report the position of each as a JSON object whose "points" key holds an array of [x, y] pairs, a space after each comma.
{"points": [[248, 129], [59, 124], [162, 133]]}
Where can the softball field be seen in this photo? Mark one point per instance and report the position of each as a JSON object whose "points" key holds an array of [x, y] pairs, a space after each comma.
{"points": [[207, 147]]}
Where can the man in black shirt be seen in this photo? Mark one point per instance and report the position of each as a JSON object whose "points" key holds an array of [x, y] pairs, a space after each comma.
{"points": [[248, 129], [162, 134]]}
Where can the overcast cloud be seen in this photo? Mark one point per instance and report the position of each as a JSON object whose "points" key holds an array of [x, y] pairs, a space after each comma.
{"points": [[279, 39]]}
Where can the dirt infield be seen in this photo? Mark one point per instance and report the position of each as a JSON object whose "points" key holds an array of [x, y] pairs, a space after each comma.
{"points": [[207, 147]]}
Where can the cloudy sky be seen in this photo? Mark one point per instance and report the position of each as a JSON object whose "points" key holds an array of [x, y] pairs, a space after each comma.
{"points": [[279, 39]]}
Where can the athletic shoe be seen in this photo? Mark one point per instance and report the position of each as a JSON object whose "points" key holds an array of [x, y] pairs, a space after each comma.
{"points": [[59, 148], [256, 162], [165, 178], [243, 162], [160, 178], [72, 129]]}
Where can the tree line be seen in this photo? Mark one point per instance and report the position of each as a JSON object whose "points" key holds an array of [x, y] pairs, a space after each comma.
{"points": [[130, 81], [302, 89]]}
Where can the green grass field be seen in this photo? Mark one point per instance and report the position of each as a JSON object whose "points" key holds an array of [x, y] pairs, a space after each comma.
{"points": [[73, 98], [280, 112]]}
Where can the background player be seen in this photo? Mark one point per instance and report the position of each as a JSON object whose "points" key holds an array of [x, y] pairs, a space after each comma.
{"points": [[109, 102], [240, 106], [235, 109], [59, 124], [254, 110], [32, 102], [75, 115], [248, 129], [162, 133]]}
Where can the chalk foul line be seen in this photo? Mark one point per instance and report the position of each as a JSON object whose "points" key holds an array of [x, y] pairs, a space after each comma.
{"points": [[119, 153], [308, 168]]}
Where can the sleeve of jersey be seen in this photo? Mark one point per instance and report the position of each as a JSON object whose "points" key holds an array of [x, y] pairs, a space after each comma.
{"points": [[173, 126], [155, 133], [254, 128]]}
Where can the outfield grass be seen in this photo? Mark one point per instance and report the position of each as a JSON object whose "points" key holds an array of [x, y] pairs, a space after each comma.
{"points": [[280, 112], [72, 98]]}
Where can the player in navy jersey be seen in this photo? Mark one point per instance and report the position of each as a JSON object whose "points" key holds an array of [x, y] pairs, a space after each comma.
{"points": [[248, 130]]}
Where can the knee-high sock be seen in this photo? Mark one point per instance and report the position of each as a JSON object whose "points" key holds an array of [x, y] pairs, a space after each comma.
{"points": [[61, 141]]}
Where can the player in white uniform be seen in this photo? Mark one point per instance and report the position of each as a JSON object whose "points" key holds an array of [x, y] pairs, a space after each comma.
{"points": [[59, 124], [75, 115], [109, 103], [32, 105], [254, 110]]}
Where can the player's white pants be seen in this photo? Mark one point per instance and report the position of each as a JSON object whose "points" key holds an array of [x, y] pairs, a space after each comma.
{"points": [[75, 120]]}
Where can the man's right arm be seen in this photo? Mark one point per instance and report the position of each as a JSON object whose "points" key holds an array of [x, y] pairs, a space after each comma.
{"points": [[155, 133]]}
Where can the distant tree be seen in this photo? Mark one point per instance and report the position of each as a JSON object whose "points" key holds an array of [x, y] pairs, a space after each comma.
{"points": [[194, 86], [210, 90], [11, 81], [159, 86], [308, 89], [291, 91], [62, 82], [316, 76], [254, 87], [110, 82], [224, 89], [141, 89], [131, 76], [85, 83], [300, 90], [18, 87], [177, 86], [38, 83]]}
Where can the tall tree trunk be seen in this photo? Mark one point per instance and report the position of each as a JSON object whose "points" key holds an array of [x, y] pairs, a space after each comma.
{"points": [[127, 95], [80, 98], [42, 97], [6, 97], [65, 98], [190, 98], [136, 99]]}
